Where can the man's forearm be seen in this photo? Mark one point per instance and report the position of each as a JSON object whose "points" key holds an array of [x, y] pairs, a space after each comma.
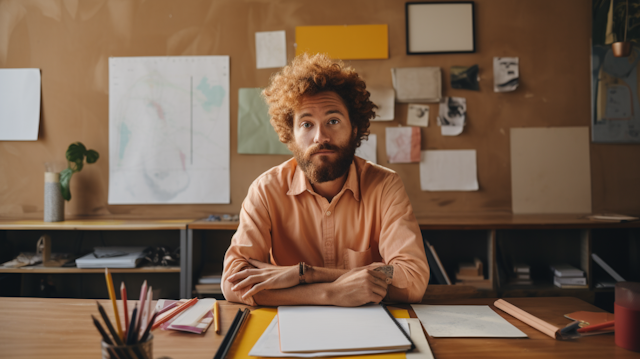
{"points": [[307, 294], [324, 275]]}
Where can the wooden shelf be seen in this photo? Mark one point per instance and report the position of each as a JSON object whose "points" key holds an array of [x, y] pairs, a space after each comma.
{"points": [[221, 225], [67, 270], [97, 223]]}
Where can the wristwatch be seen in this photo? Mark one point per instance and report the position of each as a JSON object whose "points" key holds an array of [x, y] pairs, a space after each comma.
{"points": [[302, 269]]}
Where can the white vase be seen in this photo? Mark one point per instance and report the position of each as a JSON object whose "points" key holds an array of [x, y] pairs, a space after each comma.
{"points": [[53, 201]]}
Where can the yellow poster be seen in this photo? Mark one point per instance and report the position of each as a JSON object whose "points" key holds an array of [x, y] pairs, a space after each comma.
{"points": [[344, 42]]}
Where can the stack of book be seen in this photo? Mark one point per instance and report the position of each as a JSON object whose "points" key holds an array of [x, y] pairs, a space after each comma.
{"points": [[210, 279], [522, 274], [470, 273], [567, 276]]}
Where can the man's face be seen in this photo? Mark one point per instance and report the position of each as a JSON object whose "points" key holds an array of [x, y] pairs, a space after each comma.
{"points": [[324, 140]]}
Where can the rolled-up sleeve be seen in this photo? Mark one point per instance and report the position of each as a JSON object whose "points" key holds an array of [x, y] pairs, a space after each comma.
{"points": [[401, 245], [252, 240]]}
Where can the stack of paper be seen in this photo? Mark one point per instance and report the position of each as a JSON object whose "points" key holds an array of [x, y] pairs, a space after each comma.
{"points": [[112, 257]]}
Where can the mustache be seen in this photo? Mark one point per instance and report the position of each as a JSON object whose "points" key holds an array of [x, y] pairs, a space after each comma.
{"points": [[323, 146]]}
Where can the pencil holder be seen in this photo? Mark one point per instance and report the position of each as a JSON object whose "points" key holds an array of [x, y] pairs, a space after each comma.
{"points": [[627, 315], [53, 201], [142, 350]]}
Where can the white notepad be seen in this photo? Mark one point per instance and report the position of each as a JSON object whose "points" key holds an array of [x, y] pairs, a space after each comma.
{"points": [[458, 321], [306, 329]]}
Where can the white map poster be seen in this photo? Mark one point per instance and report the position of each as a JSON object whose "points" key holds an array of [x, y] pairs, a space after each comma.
{"points": [[169, 130]]}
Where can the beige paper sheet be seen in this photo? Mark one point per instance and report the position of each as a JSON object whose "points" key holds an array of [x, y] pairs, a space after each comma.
{"points": [[550, 170]]}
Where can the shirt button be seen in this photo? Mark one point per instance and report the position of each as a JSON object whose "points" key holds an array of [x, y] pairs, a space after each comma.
{"points": [[328, 213]]}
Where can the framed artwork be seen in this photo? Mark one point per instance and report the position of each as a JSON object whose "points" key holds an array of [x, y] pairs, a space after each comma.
{"points": [[440, 27]]}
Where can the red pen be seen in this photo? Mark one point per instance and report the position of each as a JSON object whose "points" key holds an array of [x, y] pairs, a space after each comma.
{"points": [[123, 297], [593, 327]]}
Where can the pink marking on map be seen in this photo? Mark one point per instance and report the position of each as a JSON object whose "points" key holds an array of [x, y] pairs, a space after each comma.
{"points": [[159, 109], [182, 159]]}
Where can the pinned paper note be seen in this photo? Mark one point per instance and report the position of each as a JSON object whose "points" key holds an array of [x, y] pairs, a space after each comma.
{"points": [[453, 113], [418, 115], [384, 98], [506, 74], [345, 42], [367, 149], [271, 49], [19, 104], [465, 78], [403, 144], [448, 170], [417, 84], [255, 133]]}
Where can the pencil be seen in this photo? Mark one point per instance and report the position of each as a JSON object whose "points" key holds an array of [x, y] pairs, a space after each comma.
{"points": [[123, 297], [105, 336], [112, 295], [107, 322], [216, 317], [175, 312], [148, 329]]}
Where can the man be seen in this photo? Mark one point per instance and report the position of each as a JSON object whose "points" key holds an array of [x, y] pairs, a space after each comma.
{"points": [[314, 229]]}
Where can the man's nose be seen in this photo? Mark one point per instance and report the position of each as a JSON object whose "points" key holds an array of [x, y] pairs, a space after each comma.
{"points": [[321, 135]]}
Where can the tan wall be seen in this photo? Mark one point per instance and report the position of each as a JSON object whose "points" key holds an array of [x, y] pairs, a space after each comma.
{"points": [[71, 41]]}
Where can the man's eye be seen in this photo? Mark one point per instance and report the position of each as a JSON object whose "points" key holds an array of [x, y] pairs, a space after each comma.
{"points": [[306, 125], [333, 122]]}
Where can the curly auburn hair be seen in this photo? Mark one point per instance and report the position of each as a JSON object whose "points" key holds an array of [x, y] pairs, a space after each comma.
{"points": [[308, 75]]}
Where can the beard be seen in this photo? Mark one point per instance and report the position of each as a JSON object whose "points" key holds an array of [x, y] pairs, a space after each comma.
{"points": [[327, 170]]}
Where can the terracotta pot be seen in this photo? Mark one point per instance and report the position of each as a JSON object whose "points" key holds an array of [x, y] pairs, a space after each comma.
{"points": [[621, 49]]}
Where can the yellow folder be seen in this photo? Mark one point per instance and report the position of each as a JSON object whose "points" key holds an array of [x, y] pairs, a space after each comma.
{"points": [[260, 320], [345, 42]]}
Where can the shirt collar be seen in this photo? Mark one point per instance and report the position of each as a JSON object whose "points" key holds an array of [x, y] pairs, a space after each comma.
{"points": [[300, 183]]}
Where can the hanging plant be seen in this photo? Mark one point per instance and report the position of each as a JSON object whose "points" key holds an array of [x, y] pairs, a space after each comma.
{"points": [[76, 153]]}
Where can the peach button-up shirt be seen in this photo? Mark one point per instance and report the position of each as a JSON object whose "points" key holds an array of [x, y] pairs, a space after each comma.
{"points": [[369, 222]]}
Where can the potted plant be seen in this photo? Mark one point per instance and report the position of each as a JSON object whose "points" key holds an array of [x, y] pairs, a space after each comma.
{"points": [[76, 154]]}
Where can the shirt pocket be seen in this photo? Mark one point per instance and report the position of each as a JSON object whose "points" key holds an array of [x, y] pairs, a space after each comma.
{"points": [[354, 259]]}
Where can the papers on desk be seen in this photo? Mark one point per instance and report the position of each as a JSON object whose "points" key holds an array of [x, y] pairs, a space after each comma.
{"points": [[112, 257], [471, 321], [305, 329]]}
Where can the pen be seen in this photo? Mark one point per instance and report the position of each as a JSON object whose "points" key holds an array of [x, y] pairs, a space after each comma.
{"points": [[143, 297], [132, 327], [227, 342], [123, 297], [112, 295], [148, 309], [216, 317], [593, 327]]}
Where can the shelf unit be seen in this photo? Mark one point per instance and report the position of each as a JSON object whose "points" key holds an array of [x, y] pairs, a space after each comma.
{"points": [[173, 228], [459, 237]]}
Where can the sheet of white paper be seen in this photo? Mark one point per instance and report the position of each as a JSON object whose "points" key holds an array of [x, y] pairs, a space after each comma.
{"points": [[19, 104], [418, 115], [368, 149], [316, 328], [506, 74], [384, 98], [169, 130], [271, 49], [422, 350], [268, 345], [448, 170], [471, 321]]}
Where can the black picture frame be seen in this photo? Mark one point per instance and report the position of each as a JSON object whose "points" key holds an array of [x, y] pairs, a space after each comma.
{"points": [[465, 41]]}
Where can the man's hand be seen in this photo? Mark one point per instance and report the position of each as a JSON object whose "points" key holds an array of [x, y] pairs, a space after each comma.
{"points": [[358, 287], [265, 276]]}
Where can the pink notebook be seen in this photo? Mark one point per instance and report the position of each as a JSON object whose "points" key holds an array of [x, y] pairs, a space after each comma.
{"points": [[203, 324]]}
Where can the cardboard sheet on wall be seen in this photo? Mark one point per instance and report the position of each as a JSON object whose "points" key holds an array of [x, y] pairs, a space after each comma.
{"points": [[403, 144], [255, 133], [385, 99], [350, 42], [550, 170], [448, 170], [19, 104]]}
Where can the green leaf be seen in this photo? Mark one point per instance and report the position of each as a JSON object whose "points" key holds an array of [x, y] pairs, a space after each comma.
{"points": [[65, 180], [75, 153], [92, 156]]}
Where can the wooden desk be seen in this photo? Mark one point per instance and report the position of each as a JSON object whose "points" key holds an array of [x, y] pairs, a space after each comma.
{"points": [[62, 328]]}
